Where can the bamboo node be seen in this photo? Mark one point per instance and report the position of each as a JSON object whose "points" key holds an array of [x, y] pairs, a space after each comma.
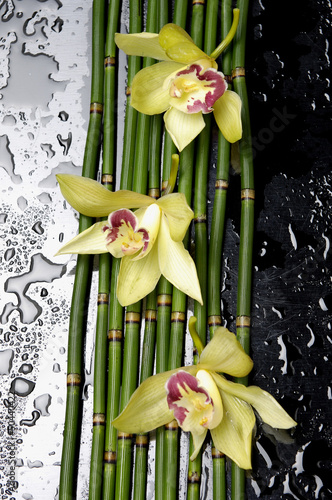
{"points": [[107, 179], [214, 321], [221, 184], [114, 335], [178, 317], [164, 185], [109, 61], [243, 321], [194, 478], [142, 440], [98, 419], [74, 379], [200, 218], [154, 193], [172, 426], [198, 2], [133, 317], [247, 194], [110, 457], [238, 72], [128, 91], [124, 435], [102, 299], [164, 299], [216, 453], [151, 315], [96, 107], [228, 78]]}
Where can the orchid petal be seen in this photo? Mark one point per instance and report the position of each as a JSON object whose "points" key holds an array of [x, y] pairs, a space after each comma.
{"points": [[270, 411], [198, 440], [149, 218], [224, 353], [234, 434], [206, 381], [178, 213], [176, 264], [227, 112], [90, 198], [178, 45], [141, 44], [147, 407], [137, 278], [148, 93], [90, 241], [183, 127]]}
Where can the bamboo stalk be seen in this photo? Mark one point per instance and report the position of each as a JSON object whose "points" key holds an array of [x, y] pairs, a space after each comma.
{"points": [[247, 214], [77, 325]]}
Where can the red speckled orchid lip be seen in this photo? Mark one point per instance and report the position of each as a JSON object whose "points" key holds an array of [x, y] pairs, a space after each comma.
{"points": [[184, 396], [195, 89], [123, 235]]}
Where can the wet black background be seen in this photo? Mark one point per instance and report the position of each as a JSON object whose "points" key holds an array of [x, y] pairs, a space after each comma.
{"points": [[288, 77]]}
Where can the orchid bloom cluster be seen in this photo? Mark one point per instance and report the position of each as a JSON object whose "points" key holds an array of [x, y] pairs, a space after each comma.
{"points": [[202, 399], [148, 241], [186, 84]]}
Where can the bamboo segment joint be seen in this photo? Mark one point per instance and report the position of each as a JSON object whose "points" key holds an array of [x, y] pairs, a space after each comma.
{"points": [[110, 457], [98, 419], [194, 478], [164, 299], [109, 61], [73, 379], [198, 2], [124, 435], [247, 194], [102, 299], [142, 441], [96, 107], [214, 321], [228, 79], [151, 315], [178, 317], [107, 179], [114, 335], [128, 91], [133, 317], [164, 185], [238, 72], [154, 193], [172, 426], [221, 184], [216, 453], [200, 218], [243, 322]]}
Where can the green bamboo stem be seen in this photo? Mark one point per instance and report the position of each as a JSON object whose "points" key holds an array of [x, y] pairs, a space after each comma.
{"points": [[247, 215], [114, 383], [77, 325]]}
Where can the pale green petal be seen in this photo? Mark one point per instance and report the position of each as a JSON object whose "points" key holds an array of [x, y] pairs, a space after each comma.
{"points": [[178, 213], [227, 112], [148, 93], [268, 408], [224, 353], [137, 278], [183, 127], [90, 241], [176, 264], [178, 45], [141, 44], [149, 219], [207, 382], [90, 198], [233, 436], [147, 407], [198, 440]]}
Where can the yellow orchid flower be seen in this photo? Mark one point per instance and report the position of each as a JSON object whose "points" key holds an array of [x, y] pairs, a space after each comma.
{"points": [[148, 240], [186, 84], [199, 399]]}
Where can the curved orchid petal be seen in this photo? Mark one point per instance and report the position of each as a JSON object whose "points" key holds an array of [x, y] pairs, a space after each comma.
{"points": [[90, 241], [147, 407], [137, 278], [224, 353], [148, 94], [198, 440], [227, 112], [141, 44], [176, 264], [234, 434], [268, 408], [183, 127], [178, 213], [178, 45], [149, 218], [90, 198]]}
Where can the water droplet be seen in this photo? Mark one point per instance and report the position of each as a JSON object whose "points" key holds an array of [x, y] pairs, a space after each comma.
{"points": [[42, 404], [26, 368], [22, 387], [6, 361], [31, 422]]}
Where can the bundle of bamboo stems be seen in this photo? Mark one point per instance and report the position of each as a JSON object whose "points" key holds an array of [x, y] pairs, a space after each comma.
{"points": [[163, 314]]}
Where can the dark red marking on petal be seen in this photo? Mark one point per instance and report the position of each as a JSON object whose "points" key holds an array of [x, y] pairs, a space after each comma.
{"points": [[112, 235], [123, 216]]}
